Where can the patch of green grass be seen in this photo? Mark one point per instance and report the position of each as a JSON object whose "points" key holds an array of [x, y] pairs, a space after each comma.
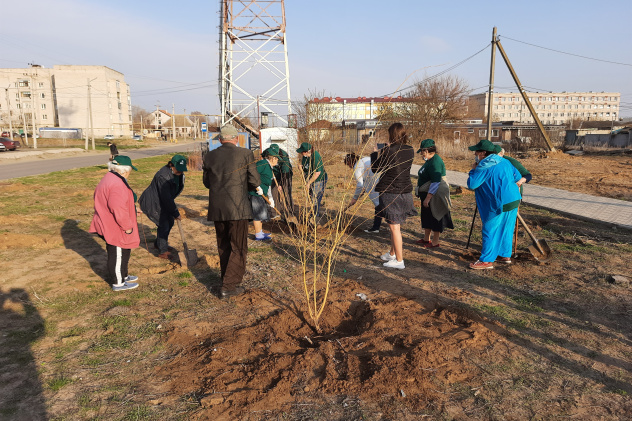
{"points": [[578, 247], [138, 413], [124, 302], [528, 303], [75, 331], [185, 275], [183, 283], [58, 382], [92, 361], [620, 392]]}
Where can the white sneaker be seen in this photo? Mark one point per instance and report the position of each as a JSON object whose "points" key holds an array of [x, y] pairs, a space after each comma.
{"points": [[395, 264], [124, 286], [388, 257]]}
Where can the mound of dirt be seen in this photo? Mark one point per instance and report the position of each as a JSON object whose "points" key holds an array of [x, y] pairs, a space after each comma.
{"points": [[383, 350]]}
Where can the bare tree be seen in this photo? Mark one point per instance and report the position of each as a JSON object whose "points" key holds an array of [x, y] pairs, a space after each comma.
{"points": [[138, 114], [315, 116], [429, 105]]}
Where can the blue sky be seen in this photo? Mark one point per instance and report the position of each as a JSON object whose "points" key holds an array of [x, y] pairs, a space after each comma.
{"points": [[168, 51]]}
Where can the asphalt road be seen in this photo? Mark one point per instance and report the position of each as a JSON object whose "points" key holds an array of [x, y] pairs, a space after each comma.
{"points": [[46, 165]]}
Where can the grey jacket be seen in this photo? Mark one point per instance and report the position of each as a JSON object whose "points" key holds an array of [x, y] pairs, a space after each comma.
{"points": [[229, 173]]}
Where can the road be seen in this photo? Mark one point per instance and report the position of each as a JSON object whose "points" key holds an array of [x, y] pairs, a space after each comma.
{"points": [[46, 165]]}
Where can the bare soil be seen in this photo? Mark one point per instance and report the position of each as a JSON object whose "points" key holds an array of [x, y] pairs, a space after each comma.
{"points": [[531, 340], [604, 174]]}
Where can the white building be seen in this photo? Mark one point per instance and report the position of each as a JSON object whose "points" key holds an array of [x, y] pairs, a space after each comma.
{"points": [[552, 108], [62, 96]]}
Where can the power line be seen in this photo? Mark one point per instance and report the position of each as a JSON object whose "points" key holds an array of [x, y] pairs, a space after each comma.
{"points": [[570, 54], [442, 72]]}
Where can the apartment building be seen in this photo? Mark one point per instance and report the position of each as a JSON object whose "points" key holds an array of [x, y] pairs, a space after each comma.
{"points": [[337, 110], [38, 97], [552, 108]]}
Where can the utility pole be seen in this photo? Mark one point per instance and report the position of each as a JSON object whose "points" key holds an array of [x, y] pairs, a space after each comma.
{"points": [[26, 133], [34, 105], [141, 127], [490, 95], [6, 91], [90, 113], [184, 120], [525, 97], [173, 123]]}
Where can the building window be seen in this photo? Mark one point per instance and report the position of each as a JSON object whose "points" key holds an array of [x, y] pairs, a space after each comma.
{"points": [[40, 84], [44, 117], [23, 84], [494, 132], [457, 135], [118, 85], [17, 95], [18, 105], [42, 95], [43, 106], [470, 130], [25, 94], [482, 132]]}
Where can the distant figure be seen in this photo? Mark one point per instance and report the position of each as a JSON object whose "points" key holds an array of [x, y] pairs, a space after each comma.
{"points": [[392, 163], [113, 150], [365, 184], [158, 201], [114, 220], [434, 192], [229, 174], [494, 181]]}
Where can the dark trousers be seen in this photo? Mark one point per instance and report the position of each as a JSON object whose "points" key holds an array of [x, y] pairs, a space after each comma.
{"points": [[118, 258], [232, 244], [165, 223], [377, 220], [287, 200]]}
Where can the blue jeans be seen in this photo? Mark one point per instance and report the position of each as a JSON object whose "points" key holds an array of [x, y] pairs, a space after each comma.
{"points": [[316, 192]]}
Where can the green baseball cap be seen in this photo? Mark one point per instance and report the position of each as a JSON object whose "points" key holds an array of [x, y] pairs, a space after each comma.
{"points": [[180, 162], [124, 160], [304, 147], [497, 148], [483, 145], [274, 147], [270, 152], [425, 144]]}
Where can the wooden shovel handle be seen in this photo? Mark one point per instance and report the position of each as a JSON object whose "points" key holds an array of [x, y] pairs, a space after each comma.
{"points": [[535, 241]]}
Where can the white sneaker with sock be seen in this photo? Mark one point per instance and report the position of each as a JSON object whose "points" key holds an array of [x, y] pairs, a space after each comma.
{"points": [[388, 256], [394, 264]]}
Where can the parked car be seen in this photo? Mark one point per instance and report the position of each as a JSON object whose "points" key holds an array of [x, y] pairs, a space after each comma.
{"points": [[2, 148], [108, 137], [137, 137], [10, 145]]}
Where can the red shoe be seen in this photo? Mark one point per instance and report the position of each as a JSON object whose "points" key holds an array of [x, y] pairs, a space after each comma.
{"points": [[481, 265], [429, 245], [505, 260], [422, 241]]}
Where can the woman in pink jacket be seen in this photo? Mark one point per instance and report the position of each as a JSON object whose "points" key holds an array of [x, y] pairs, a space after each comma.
{"points": [[115, 220]]}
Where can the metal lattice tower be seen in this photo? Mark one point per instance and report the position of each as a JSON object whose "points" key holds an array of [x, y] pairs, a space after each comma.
{"points": [[254, 76]]}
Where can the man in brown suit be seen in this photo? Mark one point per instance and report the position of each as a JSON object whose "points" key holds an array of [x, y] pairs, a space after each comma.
{"points": [[229, 173]]}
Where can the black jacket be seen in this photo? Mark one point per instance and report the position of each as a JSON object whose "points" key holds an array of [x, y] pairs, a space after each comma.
{"points": [[393, 164], [229, 174], [160, 196]]}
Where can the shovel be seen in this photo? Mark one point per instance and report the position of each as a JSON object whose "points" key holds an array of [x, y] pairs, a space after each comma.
{"points": [[189, 257], [539, 249], [289, 218]]}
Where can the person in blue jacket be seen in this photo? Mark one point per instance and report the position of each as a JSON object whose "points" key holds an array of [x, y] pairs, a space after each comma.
{"points": [[493, 180]]}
